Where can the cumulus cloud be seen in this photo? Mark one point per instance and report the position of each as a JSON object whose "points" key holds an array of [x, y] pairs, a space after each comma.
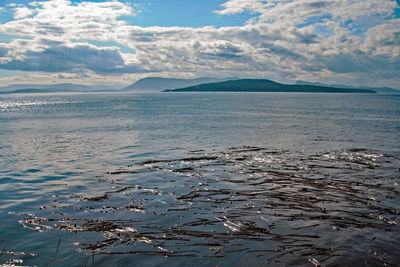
{"points": [[384, 39], [55, 18], [292, 12], [239, 6], [23, 12], [77, 58], [46, 29]]}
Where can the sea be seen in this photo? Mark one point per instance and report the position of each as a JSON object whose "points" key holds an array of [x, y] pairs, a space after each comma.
{"points": [[199, 179]]}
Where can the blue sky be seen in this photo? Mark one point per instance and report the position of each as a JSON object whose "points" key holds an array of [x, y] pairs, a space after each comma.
{"points": [[108, 42], [187, 13]]}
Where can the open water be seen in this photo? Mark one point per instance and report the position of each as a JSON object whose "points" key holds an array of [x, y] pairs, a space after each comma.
{"points": [[213, 179]]}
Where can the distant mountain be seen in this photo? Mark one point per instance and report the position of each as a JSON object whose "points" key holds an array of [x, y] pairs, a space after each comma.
{"points": [[26, 91], [158, 84], [376, 89], [60, 87], [49, 87], [261, 85]]}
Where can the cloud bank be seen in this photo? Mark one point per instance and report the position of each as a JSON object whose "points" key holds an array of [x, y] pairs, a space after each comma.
{"points": [[346, 41]]}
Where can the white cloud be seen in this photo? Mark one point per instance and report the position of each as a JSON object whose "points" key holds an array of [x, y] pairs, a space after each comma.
{"points": [[239, 6], [23, 12], [59, 57], [293, 12], [55, 18], [46, 32], [384, 39]]}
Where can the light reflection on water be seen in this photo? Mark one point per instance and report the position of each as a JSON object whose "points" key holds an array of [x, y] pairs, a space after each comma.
{"points": [[62, 155]]}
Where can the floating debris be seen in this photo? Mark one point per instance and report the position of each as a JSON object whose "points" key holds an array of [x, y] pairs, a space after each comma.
{"points": [[99, 198], [13, 258], [274, 205]]}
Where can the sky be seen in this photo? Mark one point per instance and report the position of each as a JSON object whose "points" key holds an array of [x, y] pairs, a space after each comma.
{"points": [[354, 42]]}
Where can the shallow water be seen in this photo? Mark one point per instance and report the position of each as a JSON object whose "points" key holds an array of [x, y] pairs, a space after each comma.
{"points": [[205, 179]]}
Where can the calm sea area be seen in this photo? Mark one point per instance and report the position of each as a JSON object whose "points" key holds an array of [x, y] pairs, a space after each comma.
{"points": [[212, 179]]}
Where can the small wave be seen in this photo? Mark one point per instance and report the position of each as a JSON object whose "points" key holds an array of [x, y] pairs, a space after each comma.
{"points": [[11, 105], [359, 156]]}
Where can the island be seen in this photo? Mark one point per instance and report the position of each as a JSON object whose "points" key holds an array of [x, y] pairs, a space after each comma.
{"points": [[263, 85], [157, 84]]}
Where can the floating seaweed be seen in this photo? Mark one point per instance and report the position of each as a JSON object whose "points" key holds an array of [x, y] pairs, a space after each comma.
{"points": [[13, 258], [275, 206]]}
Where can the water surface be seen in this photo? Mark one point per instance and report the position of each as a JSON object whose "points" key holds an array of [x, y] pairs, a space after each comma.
{"points": [[205, 179]]}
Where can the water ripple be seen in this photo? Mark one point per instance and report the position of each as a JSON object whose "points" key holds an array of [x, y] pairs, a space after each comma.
{"points": [[268, 206]]}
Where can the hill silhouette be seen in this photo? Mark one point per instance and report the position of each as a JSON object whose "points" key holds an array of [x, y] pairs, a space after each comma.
{"points": [[263, 85]]}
